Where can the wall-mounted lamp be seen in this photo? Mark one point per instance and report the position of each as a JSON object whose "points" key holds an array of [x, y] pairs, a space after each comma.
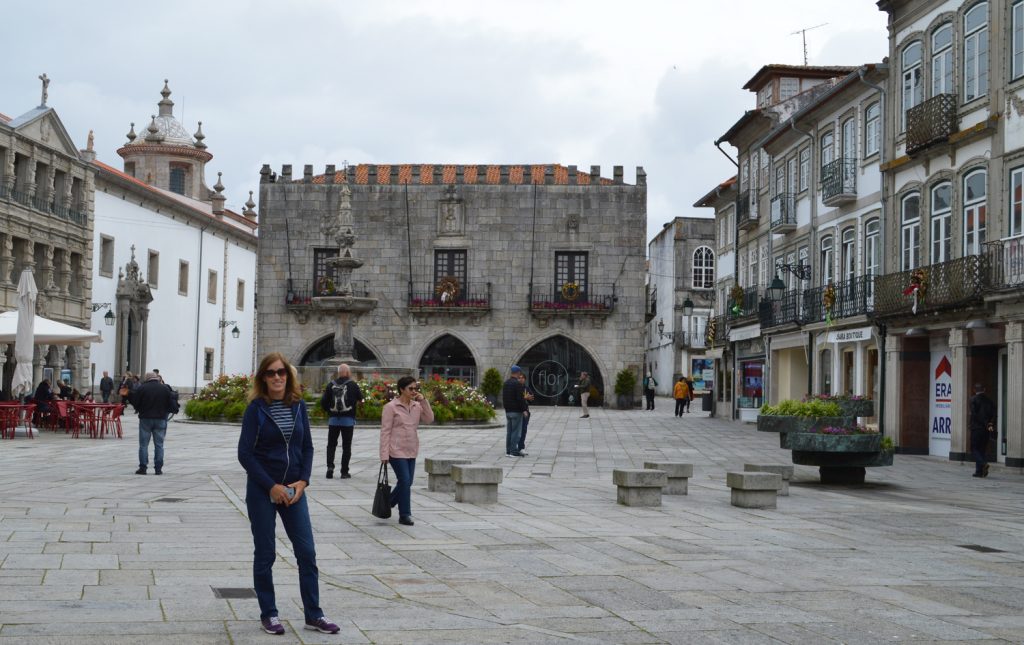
{"points": [[777, 289], [801, 271], [687, 307], [109, 317], [235, 333]]}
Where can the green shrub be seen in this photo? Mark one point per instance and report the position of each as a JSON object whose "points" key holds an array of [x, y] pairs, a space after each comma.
{"points": [[235, 410], [491, 385], [815, 408], [625, 383], [443, 414], [887, 444]]}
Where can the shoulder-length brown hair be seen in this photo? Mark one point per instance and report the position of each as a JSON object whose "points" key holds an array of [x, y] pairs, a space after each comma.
{"points": [[292, 389]]}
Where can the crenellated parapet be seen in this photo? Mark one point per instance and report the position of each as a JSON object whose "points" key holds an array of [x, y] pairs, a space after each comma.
{"points": [[459, 174]]}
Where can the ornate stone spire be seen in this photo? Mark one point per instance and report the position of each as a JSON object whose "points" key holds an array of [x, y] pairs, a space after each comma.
{"points": [[166, 104], [218, 197], [131, 133], [154, 135], [250, 207], [199, 137]]}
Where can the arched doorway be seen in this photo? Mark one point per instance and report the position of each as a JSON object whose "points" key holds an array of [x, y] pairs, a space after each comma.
{"points": [[553, 369], [448, 357], [324, 350]]}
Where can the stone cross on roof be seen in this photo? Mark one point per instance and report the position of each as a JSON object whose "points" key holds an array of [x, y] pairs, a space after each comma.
{"points": [[46, 84]]}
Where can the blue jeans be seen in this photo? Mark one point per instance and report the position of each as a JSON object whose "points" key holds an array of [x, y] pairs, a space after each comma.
{"points": [[513, 428], [405, 470], [263, 520], [522, 433], [157, 429]]}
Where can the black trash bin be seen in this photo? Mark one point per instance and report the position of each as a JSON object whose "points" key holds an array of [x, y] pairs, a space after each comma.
{"points": [[707, 401]]}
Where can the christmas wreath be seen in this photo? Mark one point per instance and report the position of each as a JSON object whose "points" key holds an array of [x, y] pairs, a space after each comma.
{"points": [[918, 287], [447, 289], [828, 298], [570, 291], [737, 299], [325, 286]]}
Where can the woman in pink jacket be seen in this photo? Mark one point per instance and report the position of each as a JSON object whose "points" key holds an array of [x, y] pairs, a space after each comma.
{"points": [[400, 441]]}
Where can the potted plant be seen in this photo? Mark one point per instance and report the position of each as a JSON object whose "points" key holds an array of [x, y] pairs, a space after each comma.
{"points": [[625, 386], [491, 385]]}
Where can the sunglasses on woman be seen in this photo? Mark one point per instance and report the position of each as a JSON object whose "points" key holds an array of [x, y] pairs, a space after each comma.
{"points": [[280, 372], [414, 388]]}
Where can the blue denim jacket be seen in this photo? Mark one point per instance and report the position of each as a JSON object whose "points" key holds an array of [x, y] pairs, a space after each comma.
{"points": [[264, 453]]}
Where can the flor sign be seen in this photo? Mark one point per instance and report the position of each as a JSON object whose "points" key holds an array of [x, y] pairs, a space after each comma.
{"points": [[941, 400]]}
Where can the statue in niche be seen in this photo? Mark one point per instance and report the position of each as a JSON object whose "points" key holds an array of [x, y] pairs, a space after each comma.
{"points": [[451, 223], [450, 212]]}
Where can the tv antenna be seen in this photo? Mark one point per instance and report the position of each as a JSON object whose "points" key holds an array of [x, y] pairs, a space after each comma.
{"points": [[803, 35]]}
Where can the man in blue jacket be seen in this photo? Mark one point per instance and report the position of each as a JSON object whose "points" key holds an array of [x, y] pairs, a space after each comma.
{"points": [[339, 401]]}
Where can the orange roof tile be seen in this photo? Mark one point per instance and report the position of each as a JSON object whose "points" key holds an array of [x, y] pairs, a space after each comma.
{"points": [[5, 118]]}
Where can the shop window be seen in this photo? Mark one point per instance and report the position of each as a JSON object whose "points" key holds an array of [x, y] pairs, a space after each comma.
{"points": [[825, 372], [752, 373]]}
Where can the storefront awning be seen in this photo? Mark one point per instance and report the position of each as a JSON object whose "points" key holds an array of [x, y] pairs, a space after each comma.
{"points": [[744, 333], [788, 341]]}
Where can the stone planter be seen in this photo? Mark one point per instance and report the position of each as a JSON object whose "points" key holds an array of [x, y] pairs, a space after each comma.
{"points": [[817, 442], [784, 423], [862, 408]]}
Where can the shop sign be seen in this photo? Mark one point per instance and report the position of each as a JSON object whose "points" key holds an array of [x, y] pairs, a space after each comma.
{"points": [[744, 333], [941, 399], [849, 335]]}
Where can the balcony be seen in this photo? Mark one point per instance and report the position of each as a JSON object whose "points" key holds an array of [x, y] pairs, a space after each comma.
{"points": [[469, 299], [65, 213], [746, 213], [784, 213], [592, 300], [746, 307], [839, 182], [652, 304], [931, 122], [716, 334], [300, 293], [1006, 263], [947, 285], [787, 311], [854, 297]]}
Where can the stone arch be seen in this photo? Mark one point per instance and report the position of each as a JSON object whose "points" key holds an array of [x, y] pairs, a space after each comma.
{"points": [[552, 364], [448, 355], [320, 350]]}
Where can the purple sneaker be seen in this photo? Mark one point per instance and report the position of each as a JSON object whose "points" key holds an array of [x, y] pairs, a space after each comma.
{"points": [[272, 625], [323, 626]]}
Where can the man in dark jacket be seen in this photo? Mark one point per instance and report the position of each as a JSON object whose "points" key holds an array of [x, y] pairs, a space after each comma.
{"points": [[983, 416], [106, 386], [153, 401], [527, 397], [513, 399], [339, 401]]}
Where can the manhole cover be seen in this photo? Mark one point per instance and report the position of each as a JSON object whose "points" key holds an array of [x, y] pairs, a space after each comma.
{"points": [[980, 549], [170, 499], [233, 592]]}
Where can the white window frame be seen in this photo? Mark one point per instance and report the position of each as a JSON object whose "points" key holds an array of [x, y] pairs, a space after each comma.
{"points": [[703, 275], [780, 179], [976, 53], [240, 295], [763, 266], [912, 87], [828, 149], [942, 60], [873, 128], [941, 225], [910, 234], [872, 251], [183, 273], [211, 285], [826, 260], [153, 261], [1016, 218], [791, 175], [849, 138], [106, 268], [1017, 40], [805, 168], [975, 211], [849, 253]]}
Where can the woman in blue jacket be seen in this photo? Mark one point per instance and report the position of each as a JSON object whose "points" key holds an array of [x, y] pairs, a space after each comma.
{"points": [[276, 450]]}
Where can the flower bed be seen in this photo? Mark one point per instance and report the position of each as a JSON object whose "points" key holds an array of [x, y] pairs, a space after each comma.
{"points": [[853, 405]]}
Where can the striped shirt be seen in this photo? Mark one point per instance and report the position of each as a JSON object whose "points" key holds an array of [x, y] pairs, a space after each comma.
{"points": [[284, 417]]}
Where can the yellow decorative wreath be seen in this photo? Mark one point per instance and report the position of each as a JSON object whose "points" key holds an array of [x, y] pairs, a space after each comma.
{"points": [[828, 298], [448, 289], [570, 291], [325, 286], [709, 333]]}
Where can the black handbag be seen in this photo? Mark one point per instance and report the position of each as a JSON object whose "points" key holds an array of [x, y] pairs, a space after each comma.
{"points": [[382, 498]]}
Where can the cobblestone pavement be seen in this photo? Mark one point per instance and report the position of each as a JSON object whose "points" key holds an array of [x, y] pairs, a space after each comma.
{"points": [[91, 553]]}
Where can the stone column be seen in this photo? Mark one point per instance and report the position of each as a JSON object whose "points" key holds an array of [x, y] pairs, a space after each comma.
{"points": [[959, 449], [46, 283], [30, 186], [37, 364], [6, 259], [64, 272], [68, 186], [893, 387], [144, 338], [8, 173], [1014, 422]]}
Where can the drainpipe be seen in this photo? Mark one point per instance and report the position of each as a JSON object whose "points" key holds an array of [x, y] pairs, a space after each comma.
{"points": [[812, 181], [735, 269], [881, 233]]}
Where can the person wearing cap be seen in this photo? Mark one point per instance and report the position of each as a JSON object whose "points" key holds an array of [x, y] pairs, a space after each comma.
{"points": [[513, 398], [153, 402], [982, 424]]}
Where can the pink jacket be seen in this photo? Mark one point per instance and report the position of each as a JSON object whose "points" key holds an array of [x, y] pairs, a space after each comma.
{"points": [[398, 428]]}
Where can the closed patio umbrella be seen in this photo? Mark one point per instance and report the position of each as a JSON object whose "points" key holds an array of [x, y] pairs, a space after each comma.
{"points": [[24, 342]]}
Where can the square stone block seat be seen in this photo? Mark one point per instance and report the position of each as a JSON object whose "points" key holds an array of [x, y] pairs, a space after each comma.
{"points": [[476, 484], [439, 473], [778, 469], [754, 490], [677, 472], [639, 487]]}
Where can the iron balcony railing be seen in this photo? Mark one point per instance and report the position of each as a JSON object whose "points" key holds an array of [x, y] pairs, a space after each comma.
{"points": [[568, 299], [302, 292], [63, 212], [787, 310], [849, 298], [746, 215], [716, 333], [652, 304], [747, 306], [956, 283], [1006, 263], [784, 212], [429, 295], [931, 122], [839, 181]]}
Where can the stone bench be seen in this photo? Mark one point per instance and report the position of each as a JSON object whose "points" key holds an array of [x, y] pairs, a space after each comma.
{"points": [[476, 484], [779, 469], [754, 489], [639, 487], [677, 472], [439, 473]]}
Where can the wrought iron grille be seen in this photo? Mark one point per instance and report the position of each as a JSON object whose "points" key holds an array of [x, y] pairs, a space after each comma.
{"points": [[1006, 263], [931, 122], [717, 331], [838, 178], [472, 296], [747, 306], [743, 213], [949, 284], [598, 298], [784, 210], [786, 310], [302, 292], [852, 298]]}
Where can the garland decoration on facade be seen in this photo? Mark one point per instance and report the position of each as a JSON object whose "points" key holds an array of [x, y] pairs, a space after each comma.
{"points": [[828, 298], [709, 333], [448, 289], [570, 291], [918, 287], [736, 294], [325, 286]]}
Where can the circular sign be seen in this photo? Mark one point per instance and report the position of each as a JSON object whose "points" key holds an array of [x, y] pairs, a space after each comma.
{"points": [[549, 379]]}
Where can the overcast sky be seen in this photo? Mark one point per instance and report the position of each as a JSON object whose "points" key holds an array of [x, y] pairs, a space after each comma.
{"points": [[647, 83]]}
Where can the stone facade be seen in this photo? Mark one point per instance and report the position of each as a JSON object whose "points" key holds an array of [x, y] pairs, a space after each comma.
{"points": [[506, 223], [46, 204]]}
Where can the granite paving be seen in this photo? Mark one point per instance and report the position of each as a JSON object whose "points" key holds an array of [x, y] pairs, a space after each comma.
{"points": [[92, 553]]}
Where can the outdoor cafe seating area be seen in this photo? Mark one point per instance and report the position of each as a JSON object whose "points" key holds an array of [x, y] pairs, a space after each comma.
{"points": [[77, 418]]}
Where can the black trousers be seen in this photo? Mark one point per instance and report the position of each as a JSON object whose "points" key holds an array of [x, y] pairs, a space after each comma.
{"points": [[346, 446], [979, 446], [650, 399], [679, 407]]}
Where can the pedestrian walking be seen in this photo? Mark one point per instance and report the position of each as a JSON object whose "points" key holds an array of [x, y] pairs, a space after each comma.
{"points": [[400, 441], [275, 448], [649, 384], [154, 403], [689, 393], [982, 424], [680, 392], [527, 396], [584, 386], [106, 386], [339, 401], [513, 399]]}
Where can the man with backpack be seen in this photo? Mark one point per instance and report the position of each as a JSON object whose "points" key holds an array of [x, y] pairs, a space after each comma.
{"points": [[339, 401], [154, 402]]}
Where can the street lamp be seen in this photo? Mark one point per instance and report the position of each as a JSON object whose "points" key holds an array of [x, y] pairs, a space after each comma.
{"points": [[777, 289], [661, 328], [235, 333], [109, 317], [687, 307]]}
